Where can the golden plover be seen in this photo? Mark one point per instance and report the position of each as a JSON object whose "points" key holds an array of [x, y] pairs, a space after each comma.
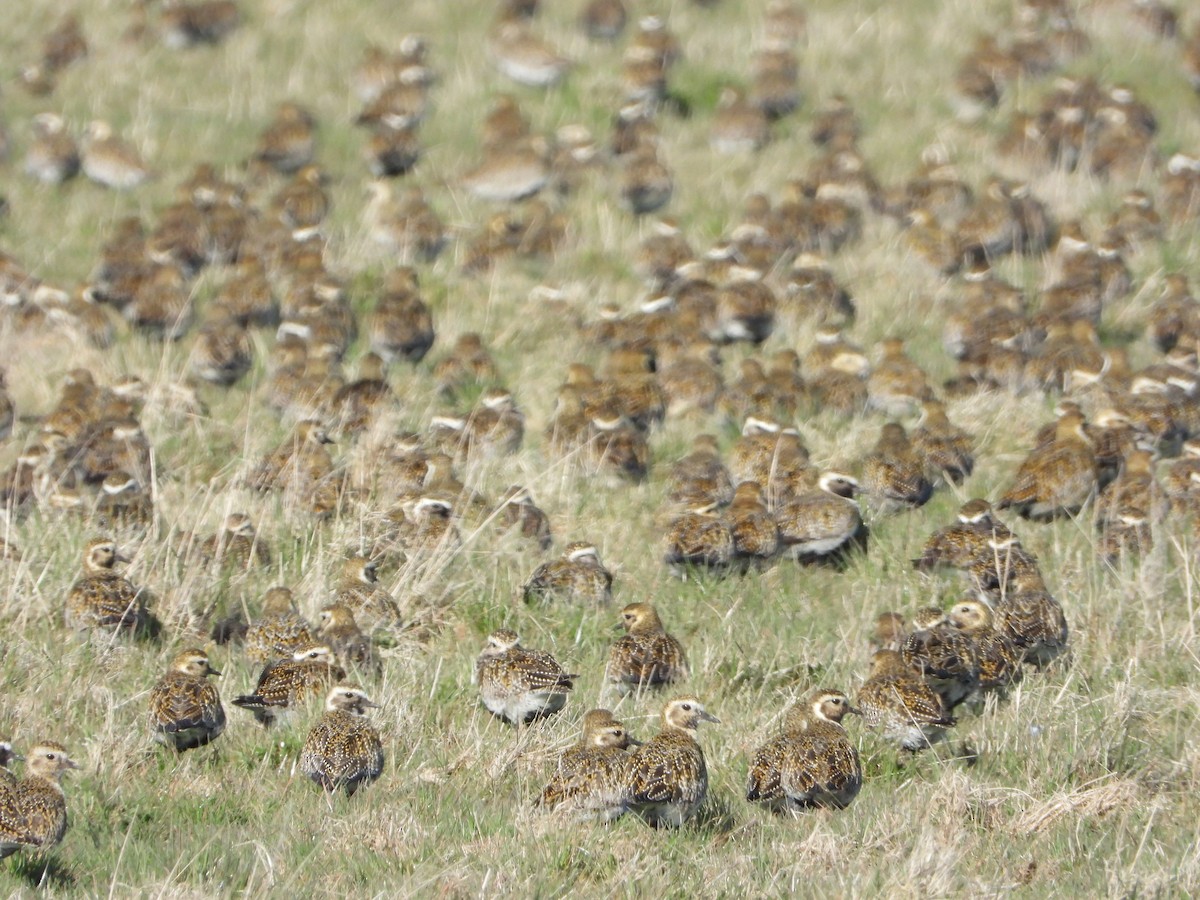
{"points": [[997, 658], [103, 599], [343, 749], [822, 524], [943, 655], [577, 575], [813, 763], [1056, 479], [893, 474], [896, 700], [279, 631], [109, 161], [1034, 621], [287, 684], [646, 656], [755, 533], [668, 779], [33, 813], [699, 538], [340, 631], [185, 708], [591, 779], [236, 545], [359, 589], [959, 545], [519, 685]]}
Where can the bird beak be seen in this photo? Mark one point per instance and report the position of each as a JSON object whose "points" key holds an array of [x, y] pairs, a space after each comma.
{"points": [[121, 557], [633, 741], [709, 717], [71, 764], [854, 709], [212, 671], [371, 704]]}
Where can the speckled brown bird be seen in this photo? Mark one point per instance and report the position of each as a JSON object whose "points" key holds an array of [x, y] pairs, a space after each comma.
{"points": [[103, 600], [185, 708], [893, 474], [591, 779], [943, 655], [33, 813], [1056, 479], [1035, 622], [519, 512], [343, 750], [646, 656], [237, 545], [895, 700], [401, 325], [123, 505], [668, 778], [302, 455], [338, 629], [699, 538], [289, 141], [577, 575], [358, 588], [111, 162], [519, 685], [959, 545], [288, 684], [812, 763], [52, 157], [279, 630], [948, 450], [185, 25], [998, 659], [755, 532], [821, 524]]}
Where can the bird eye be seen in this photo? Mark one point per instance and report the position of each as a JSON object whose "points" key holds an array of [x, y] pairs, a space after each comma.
{"points": [[687, 706]]}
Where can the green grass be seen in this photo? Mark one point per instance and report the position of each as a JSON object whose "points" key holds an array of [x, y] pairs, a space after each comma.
{"points": [[1083, 783]]}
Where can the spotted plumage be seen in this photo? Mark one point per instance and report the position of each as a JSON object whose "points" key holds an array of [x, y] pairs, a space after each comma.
{"points": [[943, 655], [699, 538], [997, 658], [577, 575], [668, 778], [33, 812], [646, 656], [821, 524], [812, 763], [185, 708], [359, 589], [519, 685], [591, 780], [236, 545], [755, 534], [288, 684], [279, 631], [957, 546], [520, 513], [1034, 621], [102, 599], [948, 451], [338, 629], [343, 750], [893, 474], [903, 707], [1056, 479]]}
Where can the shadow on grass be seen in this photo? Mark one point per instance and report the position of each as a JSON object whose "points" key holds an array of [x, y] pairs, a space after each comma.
{"points": [[39, 871]]}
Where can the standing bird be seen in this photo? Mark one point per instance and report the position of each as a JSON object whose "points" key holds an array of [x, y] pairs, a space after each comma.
{"points": [[103, 599], [109, 161], [895, 699], [646, 656], [340, 631], [519, 685], [343, 749], [359, 590], [822, 524], [53, 156], [577, 575], [893, 474], [280, 631], [287, 684], [185, 709], [592, 777], [1056, 478], [667, 776], [813, 763], [33, 813]]}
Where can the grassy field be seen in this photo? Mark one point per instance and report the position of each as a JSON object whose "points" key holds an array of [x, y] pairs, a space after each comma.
{"points": [[1085, 782]]}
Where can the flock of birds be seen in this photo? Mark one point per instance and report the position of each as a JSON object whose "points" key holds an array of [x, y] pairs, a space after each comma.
{"points": [[728, 511]]}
